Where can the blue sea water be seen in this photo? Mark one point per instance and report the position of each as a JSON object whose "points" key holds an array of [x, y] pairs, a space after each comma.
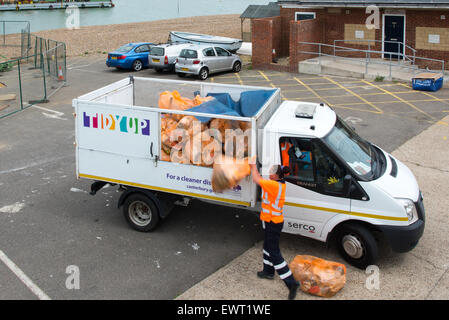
{"points": [[126, 11]]}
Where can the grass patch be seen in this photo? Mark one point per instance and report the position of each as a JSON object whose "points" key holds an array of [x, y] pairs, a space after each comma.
{"points": [[379, 79]]}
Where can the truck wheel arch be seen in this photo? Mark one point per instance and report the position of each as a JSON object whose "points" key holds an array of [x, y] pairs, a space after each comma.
{"points": [[148, 193]]}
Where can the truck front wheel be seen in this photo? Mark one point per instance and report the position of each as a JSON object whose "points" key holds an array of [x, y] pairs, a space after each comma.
{"points": [[357, 245], [141, 213]]}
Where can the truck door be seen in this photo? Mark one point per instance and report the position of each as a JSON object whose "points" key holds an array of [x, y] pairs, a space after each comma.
{"points": [[315, 186]]}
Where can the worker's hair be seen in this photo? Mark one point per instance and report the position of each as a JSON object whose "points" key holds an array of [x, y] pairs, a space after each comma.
{"points": [[280, 171]]}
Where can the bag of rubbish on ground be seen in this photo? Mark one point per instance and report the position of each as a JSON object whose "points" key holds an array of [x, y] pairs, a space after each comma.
{"points": [[228, 172], [317, 276]]}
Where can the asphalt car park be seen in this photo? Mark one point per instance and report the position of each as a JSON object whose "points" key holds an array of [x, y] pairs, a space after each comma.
{"points": [[53, 230]]}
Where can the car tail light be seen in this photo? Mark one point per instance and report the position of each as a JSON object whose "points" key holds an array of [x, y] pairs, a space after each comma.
{"points": [[196, 61], [121, 57], [166, 60], [109, 57]]}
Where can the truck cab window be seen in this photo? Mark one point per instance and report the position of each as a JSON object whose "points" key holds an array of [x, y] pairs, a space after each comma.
{"points": [[329, 173], [312, 166]]}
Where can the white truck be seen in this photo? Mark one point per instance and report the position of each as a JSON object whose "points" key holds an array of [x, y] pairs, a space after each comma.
{"points": [[342, 189]]}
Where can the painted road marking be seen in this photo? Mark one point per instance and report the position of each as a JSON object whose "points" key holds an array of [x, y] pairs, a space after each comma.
{"points": [[23, 277], [427, 94], [407, 103], [53, 113], [313, 91], [379, 111]]}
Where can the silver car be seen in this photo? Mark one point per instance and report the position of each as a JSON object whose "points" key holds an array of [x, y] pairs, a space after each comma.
{"points": [[202, 60], [163, 56]]}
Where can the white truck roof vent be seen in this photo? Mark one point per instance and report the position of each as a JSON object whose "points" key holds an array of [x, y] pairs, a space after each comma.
{"points": [[305, 110]]}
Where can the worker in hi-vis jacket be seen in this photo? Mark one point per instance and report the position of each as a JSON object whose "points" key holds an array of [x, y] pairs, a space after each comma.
{"points": [[273, 197]]}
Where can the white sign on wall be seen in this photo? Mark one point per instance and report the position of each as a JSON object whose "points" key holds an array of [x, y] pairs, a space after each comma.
{"points": [[434, 38], [359, 34]]}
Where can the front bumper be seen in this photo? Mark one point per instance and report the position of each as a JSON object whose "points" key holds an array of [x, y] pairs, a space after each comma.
{"points": [[404, 239]]}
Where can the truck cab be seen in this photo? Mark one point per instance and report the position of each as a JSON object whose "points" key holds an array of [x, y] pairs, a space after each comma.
{"points": [[341, 188]]}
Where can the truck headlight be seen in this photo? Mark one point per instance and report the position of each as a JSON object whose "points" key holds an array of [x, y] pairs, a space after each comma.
{"points": [[410, 210]]}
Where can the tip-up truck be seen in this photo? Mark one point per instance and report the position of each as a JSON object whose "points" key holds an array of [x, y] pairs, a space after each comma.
{"points": [[341, 189]]}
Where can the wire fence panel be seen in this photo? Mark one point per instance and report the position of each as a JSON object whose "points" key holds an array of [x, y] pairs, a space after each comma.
{"points": [[15, 38], [21, 85]]}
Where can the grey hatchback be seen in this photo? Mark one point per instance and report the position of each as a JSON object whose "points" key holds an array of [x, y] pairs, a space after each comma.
{"points": [[202, 60]]}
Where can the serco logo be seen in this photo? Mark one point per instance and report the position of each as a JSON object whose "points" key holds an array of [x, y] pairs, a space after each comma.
{"points": [[119, 123]]}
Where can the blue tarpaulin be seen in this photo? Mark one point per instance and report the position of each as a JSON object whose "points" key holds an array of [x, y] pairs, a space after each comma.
{"points": [[249, 104]]}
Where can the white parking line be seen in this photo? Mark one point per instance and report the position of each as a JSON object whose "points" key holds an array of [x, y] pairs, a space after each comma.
{"points": [[23, 277]]}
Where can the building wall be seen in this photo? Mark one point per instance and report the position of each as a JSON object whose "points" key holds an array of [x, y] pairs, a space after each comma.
{"points": [[344, 24]]}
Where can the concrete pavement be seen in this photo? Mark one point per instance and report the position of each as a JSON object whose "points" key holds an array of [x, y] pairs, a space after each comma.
{"points": [[419, 274]]}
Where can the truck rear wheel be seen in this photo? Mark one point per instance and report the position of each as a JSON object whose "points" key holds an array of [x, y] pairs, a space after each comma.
{"points": [[141, 213], [357, 245]]}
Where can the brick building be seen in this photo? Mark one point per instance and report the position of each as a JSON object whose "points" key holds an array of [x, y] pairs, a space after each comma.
{"points": [[402, 28]]}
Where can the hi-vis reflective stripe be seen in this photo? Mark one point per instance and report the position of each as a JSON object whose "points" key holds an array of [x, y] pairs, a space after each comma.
{"points": [[276, 203], [285, 275], [144, 186], [358, 214], [280, 266], [267, 262]]}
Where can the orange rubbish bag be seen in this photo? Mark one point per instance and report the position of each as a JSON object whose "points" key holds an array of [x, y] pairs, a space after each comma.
{"points": [[228, 172], [317, 276], [174, 101]]}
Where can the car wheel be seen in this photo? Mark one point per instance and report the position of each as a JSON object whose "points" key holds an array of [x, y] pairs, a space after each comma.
{"points": [[204, 73], [181, 75], [137, 65], [237, 66], [140, 212], [357, 245]]}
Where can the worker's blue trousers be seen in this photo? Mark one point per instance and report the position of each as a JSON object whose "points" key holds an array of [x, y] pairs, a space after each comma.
{"points": [[272, 258]]}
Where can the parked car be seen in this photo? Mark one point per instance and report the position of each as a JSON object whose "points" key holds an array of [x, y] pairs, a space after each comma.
{"points": [[202, 60], [130, 56], [163, 57]]}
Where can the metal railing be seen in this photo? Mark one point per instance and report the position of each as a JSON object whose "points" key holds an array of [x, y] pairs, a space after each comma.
{"points": [[399, 45], [333, 51]]}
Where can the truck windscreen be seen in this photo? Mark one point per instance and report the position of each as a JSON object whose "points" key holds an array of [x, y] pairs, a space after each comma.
{"points": [[351, 148]]}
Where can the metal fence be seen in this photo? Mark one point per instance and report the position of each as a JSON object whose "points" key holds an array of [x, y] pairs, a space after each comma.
{"points": [[38, 70], [21, 85], [365, 57]]}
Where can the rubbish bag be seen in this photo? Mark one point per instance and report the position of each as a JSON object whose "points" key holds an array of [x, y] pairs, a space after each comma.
{"points": [[317, 276], [228, 172], [174, 101]]}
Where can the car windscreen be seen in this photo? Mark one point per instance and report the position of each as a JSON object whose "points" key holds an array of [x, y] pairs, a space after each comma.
{"points": [[355, 151], [157, 51], [124, 49], [188, 53]]}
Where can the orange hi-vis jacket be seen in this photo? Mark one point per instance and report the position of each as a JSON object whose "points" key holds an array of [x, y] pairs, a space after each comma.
{"points": [[285, 146], [273, 198]]}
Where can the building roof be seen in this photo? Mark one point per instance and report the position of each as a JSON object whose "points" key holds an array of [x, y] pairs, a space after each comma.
{"points": [[364, 3], [261, 11]]}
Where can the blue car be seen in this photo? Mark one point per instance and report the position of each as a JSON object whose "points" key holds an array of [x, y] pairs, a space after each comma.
{"points": [[130, 56]]}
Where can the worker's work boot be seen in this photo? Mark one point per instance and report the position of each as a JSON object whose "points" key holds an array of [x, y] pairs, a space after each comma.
{"points": [[293, 288], [265, 275]]}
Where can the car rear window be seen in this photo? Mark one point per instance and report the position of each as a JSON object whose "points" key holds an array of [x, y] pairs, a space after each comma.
{"points": [[188, 53], [157, 51], [124, 49]]}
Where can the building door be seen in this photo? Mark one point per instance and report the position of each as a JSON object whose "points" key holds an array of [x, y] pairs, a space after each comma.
{"points": [[394, 27]]}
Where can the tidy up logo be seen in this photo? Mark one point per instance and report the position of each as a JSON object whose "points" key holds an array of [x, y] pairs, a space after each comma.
{"points": [[118, 123]]}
